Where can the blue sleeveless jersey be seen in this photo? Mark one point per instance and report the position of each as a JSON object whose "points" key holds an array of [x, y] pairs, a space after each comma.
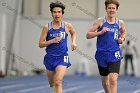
{"points": [[108, 49], [57, 49], [109, 40]]}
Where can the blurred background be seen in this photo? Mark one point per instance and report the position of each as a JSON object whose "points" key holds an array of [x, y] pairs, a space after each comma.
{"points": [[21, 23]]}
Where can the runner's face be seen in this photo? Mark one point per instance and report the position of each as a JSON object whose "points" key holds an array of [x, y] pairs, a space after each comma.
{"points": [[111, 10], [57, 14]]}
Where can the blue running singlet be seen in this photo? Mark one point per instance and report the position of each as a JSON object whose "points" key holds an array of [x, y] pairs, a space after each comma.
{"points": [[108, 49], [57, 49], [56, 53]]}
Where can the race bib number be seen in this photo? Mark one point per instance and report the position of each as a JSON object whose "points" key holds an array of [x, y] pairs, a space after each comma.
{"points": [[62, 35], [117, 54], [66, 59], [116, 35]]}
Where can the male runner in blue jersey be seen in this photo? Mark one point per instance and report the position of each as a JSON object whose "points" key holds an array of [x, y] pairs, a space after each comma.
{"points": [[54, 38], [110, 32]]}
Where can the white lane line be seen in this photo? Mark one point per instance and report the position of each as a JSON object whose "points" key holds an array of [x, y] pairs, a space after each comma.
{"points": [[30, 89], [72, 89], [136, 91], [99, 91], [11, 86], [33, 89]]}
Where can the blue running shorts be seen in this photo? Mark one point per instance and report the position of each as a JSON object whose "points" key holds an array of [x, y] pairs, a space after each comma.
{"points": [[51, 62], [103, 58]]}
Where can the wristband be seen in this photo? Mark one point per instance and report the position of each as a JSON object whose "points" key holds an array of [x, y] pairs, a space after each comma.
{"points": [[123, 38]]}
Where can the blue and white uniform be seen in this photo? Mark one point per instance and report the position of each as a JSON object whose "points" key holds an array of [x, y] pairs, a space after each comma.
{"points": [[56, 53], [108, 49]]}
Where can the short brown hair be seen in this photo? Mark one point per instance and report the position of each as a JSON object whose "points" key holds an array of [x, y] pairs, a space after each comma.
{"points": [[57, 4], [107, 2]]}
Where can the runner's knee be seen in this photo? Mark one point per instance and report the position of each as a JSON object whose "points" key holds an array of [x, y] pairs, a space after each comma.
{"points": [[58, 82]]}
